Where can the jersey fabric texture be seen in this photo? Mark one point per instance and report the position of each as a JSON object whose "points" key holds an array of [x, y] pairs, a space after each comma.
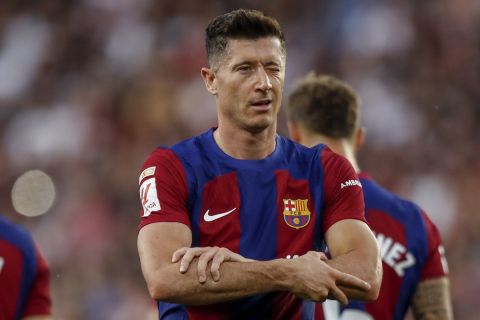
{"points": [[277, 207], [411, 251], [24, 274]]}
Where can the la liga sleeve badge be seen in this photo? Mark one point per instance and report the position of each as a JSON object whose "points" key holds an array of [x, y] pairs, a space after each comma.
{"points": [[296, 213], [149, 198]]}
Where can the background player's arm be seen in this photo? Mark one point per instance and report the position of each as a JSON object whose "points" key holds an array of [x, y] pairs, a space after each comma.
{"points": [[37, 318], [432, 295], [432, 300], [354, 250], [307, 276]]}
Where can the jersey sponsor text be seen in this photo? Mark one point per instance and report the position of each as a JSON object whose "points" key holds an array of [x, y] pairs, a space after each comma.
{"points": [[350, 183]]}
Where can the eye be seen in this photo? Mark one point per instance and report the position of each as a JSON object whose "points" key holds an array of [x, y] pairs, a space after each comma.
{"points": [[244, 68], [273, 68]]}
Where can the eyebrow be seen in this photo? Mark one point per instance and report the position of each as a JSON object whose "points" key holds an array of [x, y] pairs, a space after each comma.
{"points": [[250, 62]]}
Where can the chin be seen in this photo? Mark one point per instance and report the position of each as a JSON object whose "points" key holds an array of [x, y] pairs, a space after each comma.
{"points": [[259, 125]]}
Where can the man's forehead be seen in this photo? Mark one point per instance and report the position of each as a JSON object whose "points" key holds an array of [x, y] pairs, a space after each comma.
{"points": [[268, 47]]}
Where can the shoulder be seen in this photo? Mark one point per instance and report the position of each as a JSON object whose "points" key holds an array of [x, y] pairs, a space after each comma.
{"points": [[399, 209], [16, 235], [338, 168], [378, 196]]}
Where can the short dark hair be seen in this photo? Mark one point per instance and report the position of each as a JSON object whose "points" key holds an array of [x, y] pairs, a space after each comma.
{"points": [[324, 105], [239, 24]]}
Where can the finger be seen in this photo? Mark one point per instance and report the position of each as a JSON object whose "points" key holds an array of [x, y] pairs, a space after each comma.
{"points": [[323, 257], [188, 257], [178, 254], [339, 295], [215, 267], [203, 262], [348, 280], [237, 258]]}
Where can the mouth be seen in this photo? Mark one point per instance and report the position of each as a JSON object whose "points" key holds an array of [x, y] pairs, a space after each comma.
{"points": [[261, 104]]}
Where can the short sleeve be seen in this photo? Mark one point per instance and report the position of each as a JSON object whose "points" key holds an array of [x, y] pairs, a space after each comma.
{"points": [[39, 301], [343, 190], [163, 189], [436, 264]]}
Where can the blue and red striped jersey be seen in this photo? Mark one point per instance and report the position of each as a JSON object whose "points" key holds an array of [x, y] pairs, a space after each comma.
{"points": [[24, 274], [277, 207], [411, 251]]}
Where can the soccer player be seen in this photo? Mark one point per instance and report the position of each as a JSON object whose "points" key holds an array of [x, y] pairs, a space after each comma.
{"points": [[323, 109], [24, 276], [255, 199]]}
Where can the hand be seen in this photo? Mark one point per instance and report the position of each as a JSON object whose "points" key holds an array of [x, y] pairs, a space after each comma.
{"points": [[206, 254], [315, 280]]}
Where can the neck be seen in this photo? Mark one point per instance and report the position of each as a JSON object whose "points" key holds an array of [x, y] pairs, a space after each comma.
{"points": [[244, 144], [343, 147]]}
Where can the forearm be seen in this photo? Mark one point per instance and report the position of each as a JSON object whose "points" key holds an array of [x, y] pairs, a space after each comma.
{"points": [[432, 300], [239, 279], [367, 269]]}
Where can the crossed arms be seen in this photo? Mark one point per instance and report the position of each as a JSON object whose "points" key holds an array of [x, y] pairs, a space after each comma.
{"points": [[353, 272]]}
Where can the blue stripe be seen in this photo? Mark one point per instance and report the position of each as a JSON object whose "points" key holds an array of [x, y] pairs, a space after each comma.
{"points": [[258, 238], [172, 311], [417, 244], [20, 238], [317, 191], [308, 310]]}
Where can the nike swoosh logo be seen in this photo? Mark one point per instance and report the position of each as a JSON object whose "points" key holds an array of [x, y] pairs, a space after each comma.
{"points": [[207, 217]]}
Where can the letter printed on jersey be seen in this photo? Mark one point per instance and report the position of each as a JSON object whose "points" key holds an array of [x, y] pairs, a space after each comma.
{"points": [[149, 198]]}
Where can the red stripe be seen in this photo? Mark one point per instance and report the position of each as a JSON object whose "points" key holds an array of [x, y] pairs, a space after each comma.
{"points": [[10, 279], [220, 195], [319, 311], [292, 241], [384, 306]]}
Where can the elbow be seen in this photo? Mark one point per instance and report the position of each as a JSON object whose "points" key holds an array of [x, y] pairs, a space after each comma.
{"points": [[159, 291], [161, 287], [372, 294]]}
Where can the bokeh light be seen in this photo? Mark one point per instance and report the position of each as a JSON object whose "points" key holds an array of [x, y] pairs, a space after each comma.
{"points": [[33, 193]]}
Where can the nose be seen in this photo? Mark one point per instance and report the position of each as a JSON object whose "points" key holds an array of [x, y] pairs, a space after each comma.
{"points": [[263, 80]]}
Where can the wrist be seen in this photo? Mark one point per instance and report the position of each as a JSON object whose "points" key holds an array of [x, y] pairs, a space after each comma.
{"points": [[281, 273]]}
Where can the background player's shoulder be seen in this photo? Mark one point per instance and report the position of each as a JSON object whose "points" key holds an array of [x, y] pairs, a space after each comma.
{"points": [[290, 147], [16, 235], [9, 228], [401, 209]]}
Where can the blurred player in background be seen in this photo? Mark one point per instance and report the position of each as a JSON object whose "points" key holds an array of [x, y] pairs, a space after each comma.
{"points": [[24, 276], [240, 192], [322, 109]]}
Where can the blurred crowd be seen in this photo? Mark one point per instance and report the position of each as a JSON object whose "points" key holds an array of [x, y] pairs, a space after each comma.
{"points": [[89, 88]]}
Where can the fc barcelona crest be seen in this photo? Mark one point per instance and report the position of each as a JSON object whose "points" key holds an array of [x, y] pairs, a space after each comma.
{"points": [[295, 213]]}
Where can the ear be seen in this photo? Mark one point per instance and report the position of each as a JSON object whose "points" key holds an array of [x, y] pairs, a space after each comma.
{"points": [[210, 80], [293, 131], [359, 138]]}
